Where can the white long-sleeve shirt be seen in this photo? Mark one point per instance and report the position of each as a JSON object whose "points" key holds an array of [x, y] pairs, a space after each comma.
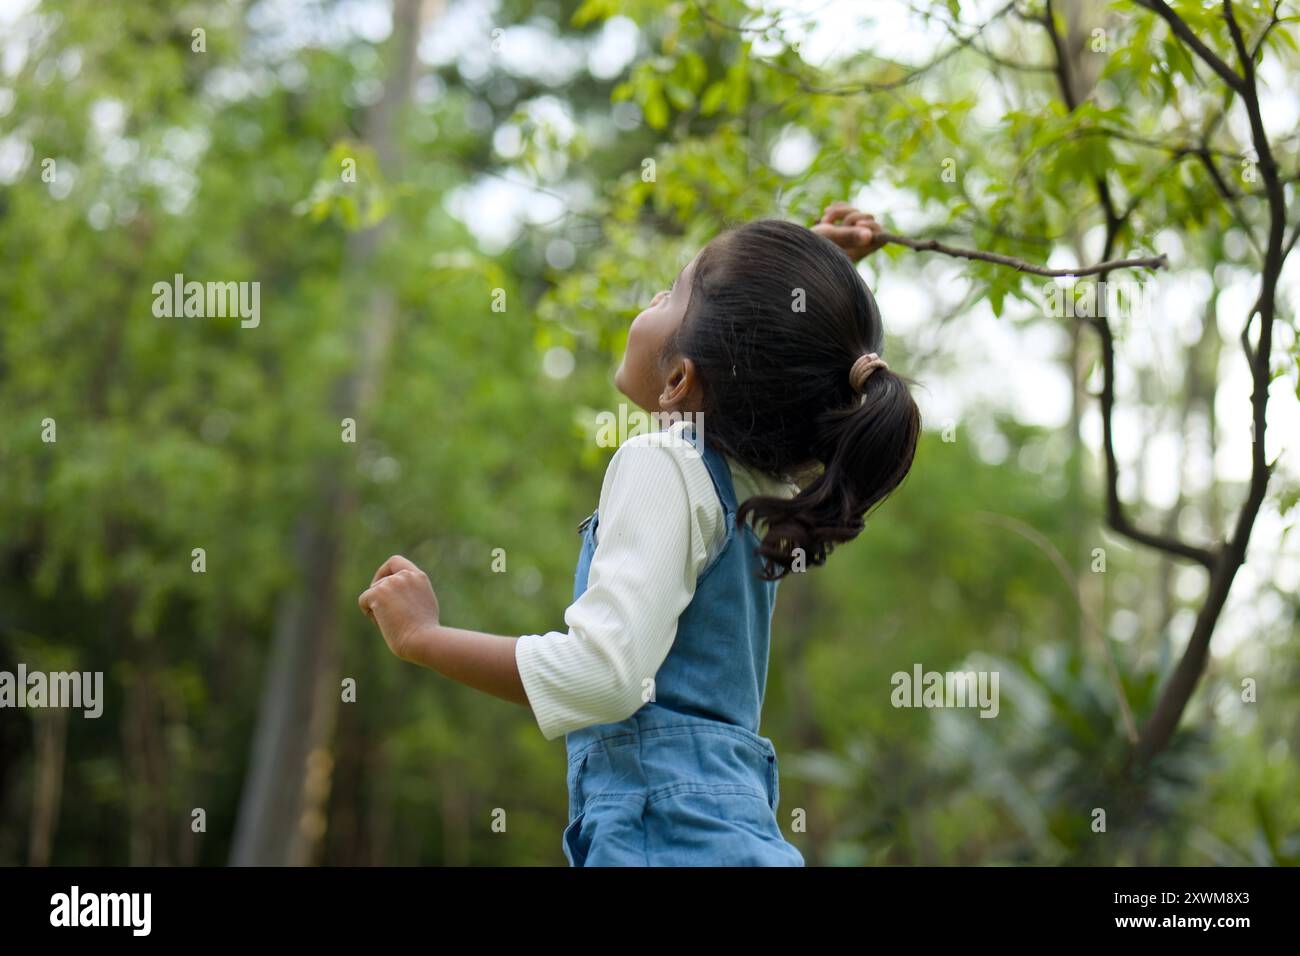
{"points": [[660, 523]]}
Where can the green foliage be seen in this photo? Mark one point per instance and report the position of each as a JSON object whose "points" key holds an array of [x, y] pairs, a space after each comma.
{"points": [[351, 186]]}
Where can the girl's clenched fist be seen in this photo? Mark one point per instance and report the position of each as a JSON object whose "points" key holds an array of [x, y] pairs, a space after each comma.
{"points": [[857, 233], [401, 601]]}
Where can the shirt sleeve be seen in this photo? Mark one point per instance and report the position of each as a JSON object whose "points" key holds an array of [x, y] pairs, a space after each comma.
{"points": [[650, 548]]}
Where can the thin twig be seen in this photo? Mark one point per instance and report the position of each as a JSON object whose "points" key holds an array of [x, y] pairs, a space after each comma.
{"points": [[1020, 265], [952, 27], [906, 79], [1273, 21]]}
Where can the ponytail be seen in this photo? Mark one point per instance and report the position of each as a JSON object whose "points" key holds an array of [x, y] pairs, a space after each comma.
{"points": [[866, 449]]}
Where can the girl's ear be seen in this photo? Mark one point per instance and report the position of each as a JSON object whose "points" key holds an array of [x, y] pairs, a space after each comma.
{"points": [[680, 386]]}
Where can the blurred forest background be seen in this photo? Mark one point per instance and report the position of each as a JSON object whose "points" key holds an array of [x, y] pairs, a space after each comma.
{"points": [[564, 158]]}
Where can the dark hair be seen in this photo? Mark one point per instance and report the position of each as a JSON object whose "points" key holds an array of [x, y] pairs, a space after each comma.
{"points": [[775, 379]]}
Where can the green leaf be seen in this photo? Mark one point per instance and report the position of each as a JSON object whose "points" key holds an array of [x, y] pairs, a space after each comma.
{"points": [[593, 10], [947, 127], [679, 96], [713, 98], [656, 110], [996, 296]]}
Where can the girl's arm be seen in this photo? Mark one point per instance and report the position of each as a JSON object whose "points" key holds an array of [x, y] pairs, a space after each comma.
{"points": [[401, 601], [658, 512], [485, 662]]}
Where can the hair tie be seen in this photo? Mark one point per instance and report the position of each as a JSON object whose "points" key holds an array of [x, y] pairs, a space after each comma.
{"points": [[867, 363]]}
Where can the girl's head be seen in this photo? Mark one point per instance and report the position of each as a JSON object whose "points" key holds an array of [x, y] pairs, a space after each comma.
{"points": [[758, 334]]}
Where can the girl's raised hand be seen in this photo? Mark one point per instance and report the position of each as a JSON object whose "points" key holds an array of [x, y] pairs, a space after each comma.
{"points": [[857, 233], [401, 601]]}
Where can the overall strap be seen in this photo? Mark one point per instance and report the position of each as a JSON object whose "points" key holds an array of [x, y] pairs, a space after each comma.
{"points": [[719, 471]]}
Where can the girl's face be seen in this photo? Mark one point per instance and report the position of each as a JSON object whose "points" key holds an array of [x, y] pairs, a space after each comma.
{"points": [[640, 376]]}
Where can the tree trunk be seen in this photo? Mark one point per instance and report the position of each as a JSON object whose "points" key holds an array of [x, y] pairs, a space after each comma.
{"points": [[51, 738], [282, 810]]}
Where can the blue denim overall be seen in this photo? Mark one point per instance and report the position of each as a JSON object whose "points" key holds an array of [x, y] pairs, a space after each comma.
{"points": [[687, 780]]}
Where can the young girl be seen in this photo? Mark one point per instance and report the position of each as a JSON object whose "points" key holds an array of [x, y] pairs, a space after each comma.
{"points": [[766, 345]]}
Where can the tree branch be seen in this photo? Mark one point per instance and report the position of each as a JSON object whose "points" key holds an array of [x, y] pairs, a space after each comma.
{"points": [[1064, 79], [1184, 33], [1115, 515], [1168, 711], [1177, 149], [1020, 265], [1115, 221], [1233, 198]]}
